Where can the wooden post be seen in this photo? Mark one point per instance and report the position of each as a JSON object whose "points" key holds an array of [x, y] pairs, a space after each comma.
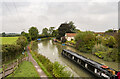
{"points": [[17, 62], [3, 75]]}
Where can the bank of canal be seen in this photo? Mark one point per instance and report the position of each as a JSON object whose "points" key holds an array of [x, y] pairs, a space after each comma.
{"points": [[53, 51]]}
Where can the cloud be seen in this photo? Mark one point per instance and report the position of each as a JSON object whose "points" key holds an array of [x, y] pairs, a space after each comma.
{"points": [[90, 15]]}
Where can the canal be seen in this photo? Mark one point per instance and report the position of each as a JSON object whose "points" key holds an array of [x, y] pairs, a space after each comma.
{"points": [[53, 51]]}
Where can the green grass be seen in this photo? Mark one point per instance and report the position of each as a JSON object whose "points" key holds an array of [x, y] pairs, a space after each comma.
{"points": [[8, 40], [40, 64], [26, 69]]}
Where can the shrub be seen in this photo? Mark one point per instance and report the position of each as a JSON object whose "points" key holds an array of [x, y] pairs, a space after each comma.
{"points": [[10, 51], [22, 41], [109, 41], [99, 47], [59, 70], [99, 39], [85, 41]]}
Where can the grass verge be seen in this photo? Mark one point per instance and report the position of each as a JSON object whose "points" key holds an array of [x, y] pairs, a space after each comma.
{"points": [[26, 69], [40, 64]]}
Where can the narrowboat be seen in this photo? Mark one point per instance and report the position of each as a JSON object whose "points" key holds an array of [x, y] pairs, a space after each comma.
{"points": [[99, 70]]}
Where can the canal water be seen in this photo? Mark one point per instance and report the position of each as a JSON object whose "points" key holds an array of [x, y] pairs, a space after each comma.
{"points": [[53, 51]]}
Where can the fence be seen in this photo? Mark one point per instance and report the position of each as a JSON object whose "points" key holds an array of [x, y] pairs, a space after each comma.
{"points": [[8, 69]]}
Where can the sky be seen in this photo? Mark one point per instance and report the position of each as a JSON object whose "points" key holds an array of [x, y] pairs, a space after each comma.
{"points": [[87, 15]]}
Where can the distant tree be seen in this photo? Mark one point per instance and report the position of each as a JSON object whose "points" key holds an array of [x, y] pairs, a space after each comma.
{"points": [[77, 31], [27, 35], [72, 26], [45, 31], [33, 31], [23, 33], [55, 33], [66, 28], [3, 34], [51, 30], [109, 31]]}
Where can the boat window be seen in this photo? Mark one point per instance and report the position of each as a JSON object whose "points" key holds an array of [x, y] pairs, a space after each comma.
{"points": [[104, 75], [72, 57], [78, 60], [86, 65], [97, 71]]}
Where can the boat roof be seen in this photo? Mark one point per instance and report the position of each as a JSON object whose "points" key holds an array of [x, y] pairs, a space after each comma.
{"points": [[94, 63]]}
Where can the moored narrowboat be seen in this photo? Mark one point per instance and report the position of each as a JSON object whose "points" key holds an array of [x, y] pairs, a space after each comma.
{"points": [[94, 67]]}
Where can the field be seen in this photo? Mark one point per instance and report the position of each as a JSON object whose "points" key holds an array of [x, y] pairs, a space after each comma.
{"points": [[8, 40]]}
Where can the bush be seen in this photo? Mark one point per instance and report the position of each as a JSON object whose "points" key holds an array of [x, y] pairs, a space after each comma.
{"points": [[109, 41], [99, 39], [10, 51], [59, 70], [85, 41], [98, 48], [22, 41]]}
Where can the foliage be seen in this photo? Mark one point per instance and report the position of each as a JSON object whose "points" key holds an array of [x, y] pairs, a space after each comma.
{"points": [[22, 41], [33, 31], [45, 32], [72, 42], [55, 33], [65, 28], [8, 40], [27, 35], [109, 31], [109, 41], [106, 53], [40, 64], [59, 70], [99, 39], [63, 39], [51, 30], [99, 47], [9, 51], [85, 41], [3, 34], [26, 67]]}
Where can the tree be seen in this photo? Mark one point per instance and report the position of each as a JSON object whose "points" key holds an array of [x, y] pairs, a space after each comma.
{"points": [[22, 41], [65, 28], [3, 34], [72, 26], [33, 32], [51, 30], [45, 31], [23, 33], [55, 33], [109, 31]]}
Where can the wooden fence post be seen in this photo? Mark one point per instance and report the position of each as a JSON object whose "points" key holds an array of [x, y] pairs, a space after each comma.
{"points": [[17, 63], [3, 75]]}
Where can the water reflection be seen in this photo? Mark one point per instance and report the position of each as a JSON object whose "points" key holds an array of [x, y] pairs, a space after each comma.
{"points": [[53, 51]]}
